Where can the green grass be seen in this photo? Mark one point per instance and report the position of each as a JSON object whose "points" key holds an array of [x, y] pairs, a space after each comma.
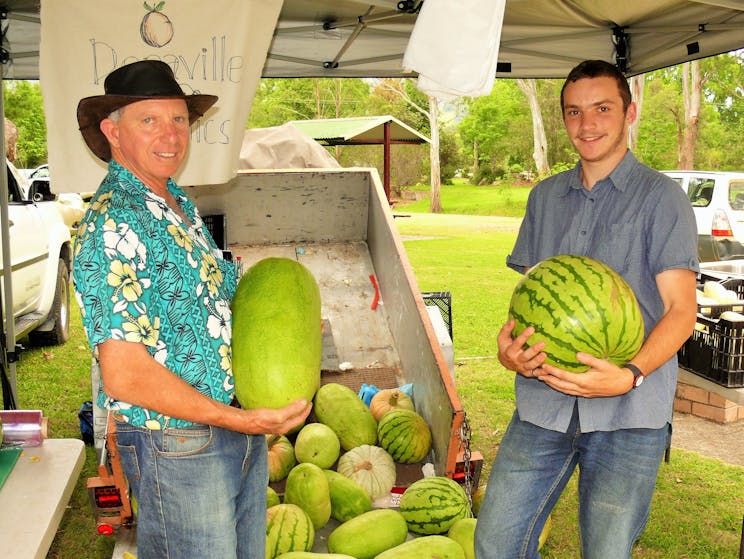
{"points": [[699, 503], [464, 199]]}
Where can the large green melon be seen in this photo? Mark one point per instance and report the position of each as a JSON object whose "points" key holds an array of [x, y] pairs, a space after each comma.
{"points": [[576, 303], [276, 337]]}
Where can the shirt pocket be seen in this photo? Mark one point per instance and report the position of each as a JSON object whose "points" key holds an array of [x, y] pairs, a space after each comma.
{"points": [[616, 243]]}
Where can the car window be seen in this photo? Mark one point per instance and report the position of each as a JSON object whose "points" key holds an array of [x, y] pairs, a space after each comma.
{"points": [[736, 194], [700, 191]]}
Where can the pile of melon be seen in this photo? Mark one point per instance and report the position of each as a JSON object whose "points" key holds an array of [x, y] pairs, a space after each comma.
{"points": [[338, 466]]}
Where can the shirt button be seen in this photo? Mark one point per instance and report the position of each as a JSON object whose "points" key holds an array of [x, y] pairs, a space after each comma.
{"points": [[583, 233]]}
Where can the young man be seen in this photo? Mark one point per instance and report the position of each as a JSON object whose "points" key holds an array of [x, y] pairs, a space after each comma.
{"points": [[155, 297], [612, 422]]}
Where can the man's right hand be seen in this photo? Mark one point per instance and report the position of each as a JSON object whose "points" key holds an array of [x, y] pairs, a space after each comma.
{"points": [[278, 421], [515, 355]]}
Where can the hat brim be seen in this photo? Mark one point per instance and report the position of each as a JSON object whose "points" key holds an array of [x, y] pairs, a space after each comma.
{"points": [[92, 110]]}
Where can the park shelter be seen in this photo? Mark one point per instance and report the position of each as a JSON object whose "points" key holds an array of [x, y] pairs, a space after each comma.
{"points": [[361, 131]]}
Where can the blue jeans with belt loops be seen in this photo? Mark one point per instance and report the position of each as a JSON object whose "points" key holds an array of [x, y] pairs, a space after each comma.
{"points": [[201, 491], [617, 475]]}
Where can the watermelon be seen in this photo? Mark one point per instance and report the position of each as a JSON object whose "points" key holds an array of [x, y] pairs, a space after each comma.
{"points": [[348, 498], [427, 547], [340, 408], [276, 338], [576, 303], [288, 528], [433, 504], [307, 487], [405, 435], [369, 534], [463, 532]]}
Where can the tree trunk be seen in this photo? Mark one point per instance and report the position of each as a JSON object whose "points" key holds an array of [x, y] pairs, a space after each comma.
{"points": [[637, 85], [692, 87], [435, 204], [476, 164], [539, 140]]}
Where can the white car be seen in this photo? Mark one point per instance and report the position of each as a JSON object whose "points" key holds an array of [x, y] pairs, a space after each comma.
{"points": [[717, 199]]}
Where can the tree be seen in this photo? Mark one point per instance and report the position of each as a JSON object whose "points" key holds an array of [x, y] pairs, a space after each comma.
{"points": [[540, 142], [637, 84], [24, 106], [692, 89]]}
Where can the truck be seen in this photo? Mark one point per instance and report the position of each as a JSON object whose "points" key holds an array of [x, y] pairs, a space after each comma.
{"points": [[40, 248]]}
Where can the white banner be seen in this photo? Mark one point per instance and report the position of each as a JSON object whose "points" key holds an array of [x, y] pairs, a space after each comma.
{"points": [[216, 47]]}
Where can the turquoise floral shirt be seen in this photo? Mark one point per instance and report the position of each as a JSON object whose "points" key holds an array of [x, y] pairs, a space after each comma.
{"points": [[144, 275]]}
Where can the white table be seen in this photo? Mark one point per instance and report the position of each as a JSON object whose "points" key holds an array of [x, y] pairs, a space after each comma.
{"points": [[35, 495]]}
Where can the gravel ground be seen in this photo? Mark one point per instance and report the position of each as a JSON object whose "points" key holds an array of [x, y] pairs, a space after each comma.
{"points": [[716, 440]]}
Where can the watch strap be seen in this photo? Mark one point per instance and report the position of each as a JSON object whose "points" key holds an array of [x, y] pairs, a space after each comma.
{"points": [[637, 373]]}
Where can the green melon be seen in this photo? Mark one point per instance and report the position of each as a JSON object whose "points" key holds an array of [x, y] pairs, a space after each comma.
{"points": [[272, 497], [427, 547], [405, 435], [433, 504], [276, 338], [348, 498], [307, 487], [369, 534], [288, 528], [311, 555], [463, 532], [340, 408], [576, 303]]}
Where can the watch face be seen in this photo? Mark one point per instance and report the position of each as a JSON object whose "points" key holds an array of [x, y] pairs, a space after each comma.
{"points": [[638, 380]]}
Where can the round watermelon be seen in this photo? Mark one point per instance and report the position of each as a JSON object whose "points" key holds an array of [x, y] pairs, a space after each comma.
{"points": [[405, 435], [288, 528], [433, 504], [576, 303]]}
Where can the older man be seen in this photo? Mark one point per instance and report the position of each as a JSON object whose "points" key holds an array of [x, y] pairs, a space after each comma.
{"points": [[155, 298]]}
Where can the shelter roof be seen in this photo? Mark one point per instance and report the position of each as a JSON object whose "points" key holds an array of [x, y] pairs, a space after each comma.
{"points": [[359, 130]]}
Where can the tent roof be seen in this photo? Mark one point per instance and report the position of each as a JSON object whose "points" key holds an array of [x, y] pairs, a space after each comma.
{"points": [[540, 38], [358, 130]]}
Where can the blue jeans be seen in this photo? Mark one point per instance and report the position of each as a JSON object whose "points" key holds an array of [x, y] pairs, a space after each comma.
{"points": [[617, 475], [201, 491]]}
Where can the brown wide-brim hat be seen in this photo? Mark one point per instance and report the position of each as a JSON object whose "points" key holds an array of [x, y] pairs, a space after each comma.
{"points": [[138, 81]]}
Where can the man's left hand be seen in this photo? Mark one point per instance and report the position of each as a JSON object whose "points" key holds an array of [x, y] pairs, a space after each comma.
{"points": [[603, 379]]}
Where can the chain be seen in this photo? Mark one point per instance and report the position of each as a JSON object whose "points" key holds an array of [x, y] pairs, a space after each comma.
{"points": [[465, 434]]}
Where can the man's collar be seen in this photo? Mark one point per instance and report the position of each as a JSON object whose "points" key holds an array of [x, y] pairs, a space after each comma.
{"points": [[618, 176]]}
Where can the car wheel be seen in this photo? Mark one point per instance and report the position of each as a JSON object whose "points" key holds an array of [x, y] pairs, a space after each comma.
{"points": [[60, 313]]}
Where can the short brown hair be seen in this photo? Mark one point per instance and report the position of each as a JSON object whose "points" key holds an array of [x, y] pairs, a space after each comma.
{"points": [[599, 69]]}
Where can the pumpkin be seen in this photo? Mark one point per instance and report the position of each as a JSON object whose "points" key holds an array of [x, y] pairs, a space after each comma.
{"points": [[370, 467], [389, 399], [281, 457]]}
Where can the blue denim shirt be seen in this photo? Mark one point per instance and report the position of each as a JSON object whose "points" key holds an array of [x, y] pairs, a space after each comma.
{"points": [[639, 222], [144, 275]]}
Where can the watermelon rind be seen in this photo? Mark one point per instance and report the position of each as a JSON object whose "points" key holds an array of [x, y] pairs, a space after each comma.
{"points": [[432, 505], [578, 304]]}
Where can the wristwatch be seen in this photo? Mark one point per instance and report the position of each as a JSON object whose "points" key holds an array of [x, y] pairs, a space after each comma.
{"points": [[637, 374]]}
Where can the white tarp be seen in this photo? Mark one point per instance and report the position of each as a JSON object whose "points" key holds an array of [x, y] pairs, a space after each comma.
{"points": [[462, 64], [217, 47], [282, 147]]}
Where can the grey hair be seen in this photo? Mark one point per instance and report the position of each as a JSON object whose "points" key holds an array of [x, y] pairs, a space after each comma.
{"points": [[115, 115]]}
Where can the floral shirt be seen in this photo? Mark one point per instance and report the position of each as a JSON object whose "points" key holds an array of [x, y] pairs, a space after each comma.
{"points": [[144, 275]]}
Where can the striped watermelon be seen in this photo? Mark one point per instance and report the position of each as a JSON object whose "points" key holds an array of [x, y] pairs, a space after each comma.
{"points": [[433, 504], [288, 528], [405, 435], [577, 304]]}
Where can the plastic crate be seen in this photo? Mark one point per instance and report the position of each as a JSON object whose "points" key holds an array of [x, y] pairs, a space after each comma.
{"points": [[714, 311], [443, 300], [715, 351]]}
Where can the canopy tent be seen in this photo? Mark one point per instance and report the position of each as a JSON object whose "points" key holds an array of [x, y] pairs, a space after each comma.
{"points": [[540, 38], [365, 130]]}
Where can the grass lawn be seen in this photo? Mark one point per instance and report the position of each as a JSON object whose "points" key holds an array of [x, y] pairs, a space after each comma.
{"points": [[699, 503]]}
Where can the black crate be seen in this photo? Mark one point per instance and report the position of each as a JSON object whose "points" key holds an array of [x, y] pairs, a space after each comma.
{"points": [[715, 351], [216, 224], [442, 300]]}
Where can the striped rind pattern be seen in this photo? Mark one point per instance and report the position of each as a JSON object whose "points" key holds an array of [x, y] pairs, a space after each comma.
{"points": [[405, 435], [432, 505], [288, 528], [577, 303]]}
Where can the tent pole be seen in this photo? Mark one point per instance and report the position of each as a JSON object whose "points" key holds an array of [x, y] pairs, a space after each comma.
{"points": [[7, 299], [386, 159]]}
